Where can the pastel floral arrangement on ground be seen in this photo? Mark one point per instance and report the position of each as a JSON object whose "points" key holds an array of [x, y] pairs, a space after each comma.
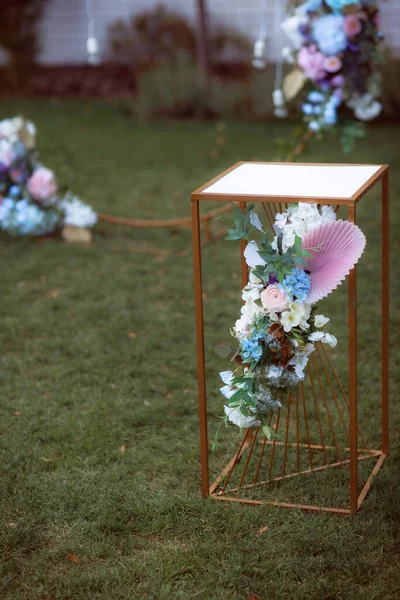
{"points": [[310, 255], [30, 202], [336, 46]]}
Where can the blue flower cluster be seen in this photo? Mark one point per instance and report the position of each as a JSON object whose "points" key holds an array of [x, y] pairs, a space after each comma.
{"points": [[250, 349], [297, 285], [23, 218], [313, 104], [311, 6], [338, 5], [328, 112], [328, 32]]}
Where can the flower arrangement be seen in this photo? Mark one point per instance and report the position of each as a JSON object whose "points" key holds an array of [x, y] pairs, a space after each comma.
{"points": [[336, 48], [310, 255], [30, 203]]}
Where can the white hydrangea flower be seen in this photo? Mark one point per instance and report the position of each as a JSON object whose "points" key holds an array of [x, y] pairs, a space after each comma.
{"points": [[309, 348], [242, 325], [327, 213], [77, 213], [250, 306], [299, 361], [9, 128], [274, 371], [320, 320]]}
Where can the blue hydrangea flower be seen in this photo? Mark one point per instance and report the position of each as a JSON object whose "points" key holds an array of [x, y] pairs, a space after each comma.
{"points": [[328, 32], [250, 349], [14, 191], [24, 218], [311, 6], [314, 125], [330, 116], [315, 97], [297, 285], [308, 109], [338, 5]]}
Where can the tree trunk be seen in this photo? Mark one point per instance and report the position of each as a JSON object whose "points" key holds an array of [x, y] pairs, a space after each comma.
{"points": [[203, 56]]}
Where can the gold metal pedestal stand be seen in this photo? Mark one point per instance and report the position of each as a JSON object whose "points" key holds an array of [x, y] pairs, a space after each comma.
{"points": [[317, 425]]}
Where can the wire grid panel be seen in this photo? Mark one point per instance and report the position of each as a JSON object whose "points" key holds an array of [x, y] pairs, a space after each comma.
{"points": [[312, 436]]}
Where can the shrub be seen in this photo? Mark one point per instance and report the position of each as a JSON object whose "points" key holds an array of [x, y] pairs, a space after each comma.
{"points": [[177, 90], [161, 35], [18, 37]]}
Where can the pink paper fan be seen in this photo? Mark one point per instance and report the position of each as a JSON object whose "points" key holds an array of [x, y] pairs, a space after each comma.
{"points": [[336, 247]]}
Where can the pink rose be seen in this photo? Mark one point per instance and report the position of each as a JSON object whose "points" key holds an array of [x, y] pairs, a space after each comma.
{"points": [[352, 25], [312, 62], [332, 64], [273, 299], [42, 184]]}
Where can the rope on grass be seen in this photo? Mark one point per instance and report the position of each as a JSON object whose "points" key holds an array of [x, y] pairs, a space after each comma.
{"points": [[186, 222]]}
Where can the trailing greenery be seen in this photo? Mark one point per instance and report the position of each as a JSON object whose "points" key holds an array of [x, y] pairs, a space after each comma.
{"points": [[99, 456]]}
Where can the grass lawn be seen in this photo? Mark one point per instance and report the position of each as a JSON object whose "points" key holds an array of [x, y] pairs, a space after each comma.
{"points": [[99, 456]]}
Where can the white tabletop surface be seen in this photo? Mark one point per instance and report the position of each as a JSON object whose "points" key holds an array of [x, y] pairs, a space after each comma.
{"points": [[333, 181]]}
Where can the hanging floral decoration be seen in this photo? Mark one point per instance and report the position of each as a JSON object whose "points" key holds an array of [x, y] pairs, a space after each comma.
{"points": [[30, 202], [310, 255], [336, 48]]}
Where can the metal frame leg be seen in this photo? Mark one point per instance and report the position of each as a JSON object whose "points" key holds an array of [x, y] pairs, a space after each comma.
{"points": [[201, 370], [385, 312], [353, 377]]}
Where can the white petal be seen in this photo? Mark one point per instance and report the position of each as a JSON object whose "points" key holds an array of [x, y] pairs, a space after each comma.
{"points": [[226, 376], [320, 320], [329, 339], [255, 221], [237, 418], [316, 336], [251, 255]]}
